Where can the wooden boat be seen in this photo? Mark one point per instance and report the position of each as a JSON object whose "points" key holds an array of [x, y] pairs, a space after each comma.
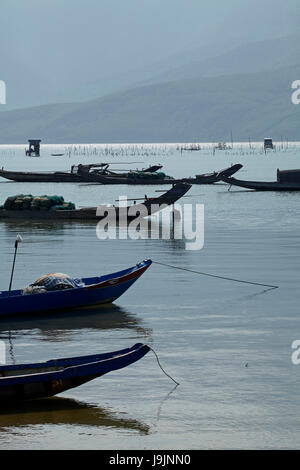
{"points": [[149, 206], [99, 173], [146, 176], [46, 379], [93, 173], [214, 177], [154, 178], [96, 169], [90, 291], [287, 180]]}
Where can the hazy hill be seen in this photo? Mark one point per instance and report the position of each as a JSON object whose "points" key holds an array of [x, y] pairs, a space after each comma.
{"points": [[61, 78], [248, 58], [203, 109], [218, 59]]}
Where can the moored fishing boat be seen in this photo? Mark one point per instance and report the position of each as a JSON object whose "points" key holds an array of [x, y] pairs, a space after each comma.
{"points": [[147, 176], [58, 292], [24, 207], [100, 173], [287, 180], [214, 177], [45, 379], [93, 173]]}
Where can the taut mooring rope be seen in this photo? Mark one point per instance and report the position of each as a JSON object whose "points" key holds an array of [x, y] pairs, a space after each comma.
{"points": [[218, 277]]}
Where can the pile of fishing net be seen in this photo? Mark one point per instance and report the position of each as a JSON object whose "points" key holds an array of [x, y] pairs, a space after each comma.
{"points": [[37, 203], [52, 282], [147, 175]]}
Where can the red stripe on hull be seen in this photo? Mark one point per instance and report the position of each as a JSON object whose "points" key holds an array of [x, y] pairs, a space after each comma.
{"points": [[119, 280]]}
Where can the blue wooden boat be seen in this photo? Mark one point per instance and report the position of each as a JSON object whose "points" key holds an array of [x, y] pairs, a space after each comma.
{"points": [[91, 291], [41, 380]]}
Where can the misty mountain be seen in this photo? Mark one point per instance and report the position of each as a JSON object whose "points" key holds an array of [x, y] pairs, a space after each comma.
{"points": [[56, 78], [253, 57], [203, 109]]}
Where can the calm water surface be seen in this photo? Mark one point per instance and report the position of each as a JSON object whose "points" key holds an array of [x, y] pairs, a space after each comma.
{"points": [[228, 344]]}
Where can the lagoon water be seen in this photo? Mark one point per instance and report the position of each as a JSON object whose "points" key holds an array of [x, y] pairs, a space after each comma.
{"points": [[227, 343]]}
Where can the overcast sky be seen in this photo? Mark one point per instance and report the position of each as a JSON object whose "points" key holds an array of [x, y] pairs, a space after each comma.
{"points": [[47, 46], [127, 30]]}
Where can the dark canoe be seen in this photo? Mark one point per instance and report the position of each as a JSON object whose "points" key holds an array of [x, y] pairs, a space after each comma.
{"points": [[149, 207], [263, 185], [85, 174], [207, 178], [41, 380], [214, 177], [95, 291], [103, 175]]}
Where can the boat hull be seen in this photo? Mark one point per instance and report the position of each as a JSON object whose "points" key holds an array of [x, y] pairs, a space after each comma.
{"points": [[65, 177], [150, 206], [215, 177], [263, 185], [94, 177], [41, 380], [96, 291]]}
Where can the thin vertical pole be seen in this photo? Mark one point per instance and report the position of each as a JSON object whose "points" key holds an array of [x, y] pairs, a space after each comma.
{"points": [[19, 239]]}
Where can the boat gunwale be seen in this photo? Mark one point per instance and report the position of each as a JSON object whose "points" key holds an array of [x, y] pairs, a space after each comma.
{"points": [[97, 285], [78, 370], [73, 360]]}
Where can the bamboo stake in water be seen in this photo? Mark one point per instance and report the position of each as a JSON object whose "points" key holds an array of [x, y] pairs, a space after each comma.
{"points": [[18, 240]]}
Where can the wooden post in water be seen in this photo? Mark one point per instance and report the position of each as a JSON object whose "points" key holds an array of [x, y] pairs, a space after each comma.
{"points": [[18, 240]]}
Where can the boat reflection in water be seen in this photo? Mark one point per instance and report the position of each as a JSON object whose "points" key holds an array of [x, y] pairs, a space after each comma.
{"points": [[108, 317], [66, 411]]}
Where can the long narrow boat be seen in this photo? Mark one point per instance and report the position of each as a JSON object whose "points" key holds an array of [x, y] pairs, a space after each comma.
{"points": [[99, 173], [287, 180], [214, 177], [149, 207], [88, 291], [93, 173], [46, 379], [146, 177], [263, 185]]}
